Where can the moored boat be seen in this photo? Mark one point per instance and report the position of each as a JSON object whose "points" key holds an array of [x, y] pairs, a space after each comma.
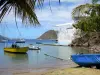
{"points": [[87, 59], [16, 50], [20, 41], [38, 43], [37, 48], [31, 47]]}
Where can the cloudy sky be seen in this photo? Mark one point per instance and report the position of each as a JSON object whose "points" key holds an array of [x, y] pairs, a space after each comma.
{"points": [[51, 14]]}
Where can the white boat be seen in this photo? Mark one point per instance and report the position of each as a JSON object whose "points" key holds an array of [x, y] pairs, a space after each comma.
{"points": [[4, 41], [31, 47], [20, 41]]}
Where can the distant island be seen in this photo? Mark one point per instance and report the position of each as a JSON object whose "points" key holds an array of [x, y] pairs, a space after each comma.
{"points": [[51, 34]]}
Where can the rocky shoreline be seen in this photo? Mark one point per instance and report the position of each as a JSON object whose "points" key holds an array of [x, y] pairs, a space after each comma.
{"points": [[91, 49], [90, 42]]}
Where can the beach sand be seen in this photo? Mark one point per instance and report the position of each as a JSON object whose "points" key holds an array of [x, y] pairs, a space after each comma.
{"points": [[65, 69], [75, 71], [17, 70]]}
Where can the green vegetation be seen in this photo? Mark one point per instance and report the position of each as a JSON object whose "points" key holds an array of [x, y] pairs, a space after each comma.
{"points": [[87, 21], [87, 17]]}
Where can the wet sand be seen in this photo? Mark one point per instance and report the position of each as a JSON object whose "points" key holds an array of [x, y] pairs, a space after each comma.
{"points": [[36, 71], [66, 68]]}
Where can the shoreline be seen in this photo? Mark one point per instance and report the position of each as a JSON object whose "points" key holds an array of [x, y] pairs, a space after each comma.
{"points": [[74, 70], [35, 71], [92, 49], [54, 45]]}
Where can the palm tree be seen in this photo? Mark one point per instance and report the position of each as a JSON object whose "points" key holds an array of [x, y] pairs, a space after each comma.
{"points": [[26, 9], [22, 8], [86, 10]]}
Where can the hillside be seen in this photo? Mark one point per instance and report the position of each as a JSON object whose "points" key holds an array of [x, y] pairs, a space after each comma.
{"points": [[51, 34], [3, 38]]}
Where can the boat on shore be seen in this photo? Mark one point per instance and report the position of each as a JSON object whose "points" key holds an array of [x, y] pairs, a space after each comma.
{"points": [[86, 60]]}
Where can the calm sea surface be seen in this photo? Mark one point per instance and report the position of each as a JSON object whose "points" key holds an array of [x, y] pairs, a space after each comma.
{"points": [[37, 59]]}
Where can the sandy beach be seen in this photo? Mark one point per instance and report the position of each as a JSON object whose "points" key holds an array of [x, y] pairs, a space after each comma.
{"points": [[66, 69], [53, 71], [36, 71], [75, 71]]}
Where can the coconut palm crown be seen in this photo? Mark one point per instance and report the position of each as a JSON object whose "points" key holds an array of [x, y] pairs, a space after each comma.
{"points": [[25, 9]]}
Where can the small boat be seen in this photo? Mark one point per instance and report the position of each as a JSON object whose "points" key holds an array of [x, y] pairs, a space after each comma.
{"points": [[38, 43], [31, 47], [16, 50], [3, 41], [87, 60], [20, 41]]}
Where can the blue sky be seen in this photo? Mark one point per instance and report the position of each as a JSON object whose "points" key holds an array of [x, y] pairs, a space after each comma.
{"points": [[60, 14]]}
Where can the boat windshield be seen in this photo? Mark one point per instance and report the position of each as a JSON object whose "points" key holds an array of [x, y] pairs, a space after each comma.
{"points": [[15, 46]]}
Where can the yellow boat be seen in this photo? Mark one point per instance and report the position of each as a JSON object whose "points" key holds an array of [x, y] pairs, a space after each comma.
{"points": [[16, 50]]}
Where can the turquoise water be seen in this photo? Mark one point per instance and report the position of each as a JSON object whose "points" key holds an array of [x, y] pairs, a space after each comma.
{"points": [[37, 59]]}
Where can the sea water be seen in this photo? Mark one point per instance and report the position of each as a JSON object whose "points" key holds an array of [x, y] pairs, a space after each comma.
{"points": [[48, 56]]}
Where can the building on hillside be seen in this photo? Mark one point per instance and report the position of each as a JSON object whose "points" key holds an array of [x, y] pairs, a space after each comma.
{"points": [[65, 33]]}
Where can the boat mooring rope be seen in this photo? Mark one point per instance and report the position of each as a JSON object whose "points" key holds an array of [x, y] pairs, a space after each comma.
{"points": [[55, 57]]}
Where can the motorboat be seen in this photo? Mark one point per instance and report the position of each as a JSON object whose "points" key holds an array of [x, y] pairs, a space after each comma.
{"points": [[14, 48], [38, 43], [20, 41], [32, 47]]}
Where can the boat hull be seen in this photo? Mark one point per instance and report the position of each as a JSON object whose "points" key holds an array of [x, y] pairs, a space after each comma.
{"points": [[34, 48], [16, 50], [20, 41], [86, 59]]}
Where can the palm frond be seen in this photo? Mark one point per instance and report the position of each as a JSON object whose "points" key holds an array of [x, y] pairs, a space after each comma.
{"points": [[25, 9]]}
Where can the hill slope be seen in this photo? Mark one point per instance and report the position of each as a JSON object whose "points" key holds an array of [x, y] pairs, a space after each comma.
{"points": [[51, 34], [3, 38]]}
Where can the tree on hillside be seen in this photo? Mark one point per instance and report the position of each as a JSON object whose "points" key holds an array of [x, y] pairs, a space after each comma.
{"points": [[86, 10], [87, 18]]}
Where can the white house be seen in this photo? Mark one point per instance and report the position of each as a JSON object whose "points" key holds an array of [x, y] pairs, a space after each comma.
{"points": [[65, 33]]}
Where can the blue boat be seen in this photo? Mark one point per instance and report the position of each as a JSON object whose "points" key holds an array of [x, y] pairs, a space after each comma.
{"points": [[86, 60]]}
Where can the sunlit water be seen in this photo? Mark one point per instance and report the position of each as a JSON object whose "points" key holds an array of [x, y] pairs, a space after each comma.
{"points": [[37, 59]]}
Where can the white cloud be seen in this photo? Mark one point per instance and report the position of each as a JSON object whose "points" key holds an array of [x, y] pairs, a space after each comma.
{"points": [[60, 13], [73, 1]]}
